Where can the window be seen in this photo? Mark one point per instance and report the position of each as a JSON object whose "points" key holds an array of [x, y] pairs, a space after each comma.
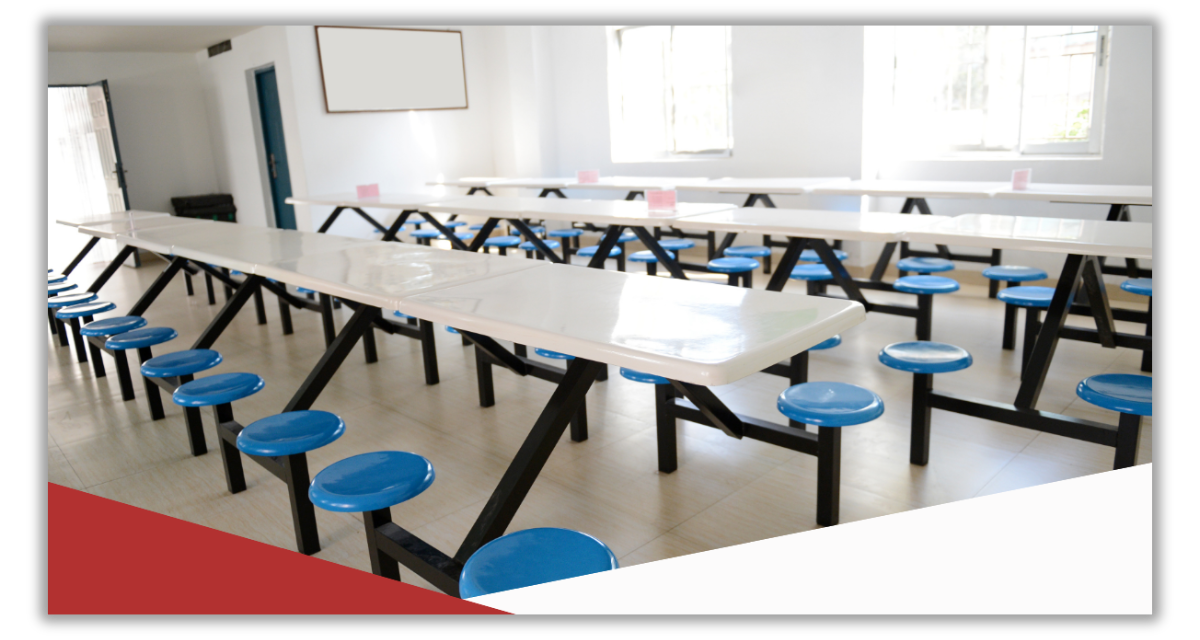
{"points": [[1026, 90], [669, 93]]}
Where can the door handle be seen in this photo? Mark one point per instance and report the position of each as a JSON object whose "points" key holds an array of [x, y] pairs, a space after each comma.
{"points": [[271, 159]]}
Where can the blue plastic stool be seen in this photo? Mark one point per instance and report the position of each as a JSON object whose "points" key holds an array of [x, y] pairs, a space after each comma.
{"points": [[424, 236], [475, 227], [747, 252], [570, 240], [1130, 395], [668, 458], [532, 557], [371, 484], [1144, 287], [923, 359], [453, 224], [588, 252], [53, 290], [737, 269], [281, 444], [809, 255], [529, 248], [536, 229], [57, 288], [815, 276], [1014, 275], [579, 424], [55, 278], [503, 243], [111, 327], [923, 265], [180, 368], [76, 314], [648, 258], [925, 287], [830, 406], [142, 340], [461, 235], [676, 244], [220, 392], [1033, 299]]}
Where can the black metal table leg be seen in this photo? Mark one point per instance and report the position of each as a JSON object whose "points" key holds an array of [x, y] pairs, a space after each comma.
{"points": [[82, 253], [333, 357]]}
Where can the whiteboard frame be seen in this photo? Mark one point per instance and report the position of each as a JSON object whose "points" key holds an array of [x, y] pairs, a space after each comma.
{"points": [[321, 68]]}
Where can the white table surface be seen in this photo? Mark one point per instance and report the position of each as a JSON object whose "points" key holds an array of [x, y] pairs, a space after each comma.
{"points": [[238, 246], [110, 230], [633, 213], [109, 217], [776, 186], [909, 188], [1080, 193], [466, 182], [704, 333], [1054, 235], [399, 201], [381, 273], [639, 183], [537, 183], [807, 223]]}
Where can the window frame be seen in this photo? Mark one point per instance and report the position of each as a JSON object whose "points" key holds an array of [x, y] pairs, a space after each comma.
{"points": [[618, 151]]}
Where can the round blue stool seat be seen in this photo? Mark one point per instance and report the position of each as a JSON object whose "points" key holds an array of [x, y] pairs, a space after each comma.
{"points": [[1014, 273], [925, 265], [530, 557], [69, 299], [84, 310], [1123, 392], [461, 235], [529, 246], [453, 224], [747, 252], [235, 272], [926, 285], [925, 357], [1140, 286], [502, 241], [451, 330], [54, 278], [139, 338], [401, 315], [181, 363], [1035, 297], [537, 230], [554, 355], [811, 272], [222, 388], [564, 233], [371, 481], [59, 287], [809, 255], [638, 376], [588, 252], [830, 404], [732, 265], [676, 244], [304, 291], [475, 227], [646, 256], [626, 237], [112, 326], [425, 233], [827, 344], [289, 433]]}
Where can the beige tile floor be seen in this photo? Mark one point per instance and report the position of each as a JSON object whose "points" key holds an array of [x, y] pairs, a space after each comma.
{"points": [[725, 492]]}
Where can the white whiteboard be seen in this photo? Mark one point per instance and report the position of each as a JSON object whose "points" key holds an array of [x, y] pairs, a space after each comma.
{"points": [[378, 69]]}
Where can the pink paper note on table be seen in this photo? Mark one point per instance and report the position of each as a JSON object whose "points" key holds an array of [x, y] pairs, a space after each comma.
{"points": [[1021, 178], [661, 200], [368, 190], [587, 177]]}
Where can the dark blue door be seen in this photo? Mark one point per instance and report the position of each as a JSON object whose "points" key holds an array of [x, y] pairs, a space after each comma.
{"points": [[272, 125]]}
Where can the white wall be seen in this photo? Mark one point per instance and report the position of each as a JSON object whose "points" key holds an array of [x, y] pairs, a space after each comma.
{"points": [[161, 120], [329, 153]]}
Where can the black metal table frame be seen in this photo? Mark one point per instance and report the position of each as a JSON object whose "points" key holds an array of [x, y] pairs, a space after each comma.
{"points": [[1078, 269]]}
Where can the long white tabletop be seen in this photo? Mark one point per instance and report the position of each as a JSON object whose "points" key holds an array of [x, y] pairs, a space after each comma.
{"points": [[1055, 235], [1080, 193], [774, 186], [639, 183], [1046, 192], [110, 230], [697, 332], [470, 182], [381, 273], [237, 246], [600, 212], [806, 223], [399, 201], [109, 217]]}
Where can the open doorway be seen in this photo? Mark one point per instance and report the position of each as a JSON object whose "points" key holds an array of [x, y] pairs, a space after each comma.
{"points": [[84, 173]]}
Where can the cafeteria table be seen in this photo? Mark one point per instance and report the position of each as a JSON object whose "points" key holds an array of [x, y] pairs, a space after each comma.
{"points": [[98, 219], [402, 202]]}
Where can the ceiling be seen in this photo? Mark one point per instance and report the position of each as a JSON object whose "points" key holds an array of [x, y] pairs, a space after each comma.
{"points": [[141, 38]]}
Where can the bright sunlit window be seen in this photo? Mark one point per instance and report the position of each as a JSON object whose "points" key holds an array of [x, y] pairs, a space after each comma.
{"points": [[1027, 90], [669, 93]]}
